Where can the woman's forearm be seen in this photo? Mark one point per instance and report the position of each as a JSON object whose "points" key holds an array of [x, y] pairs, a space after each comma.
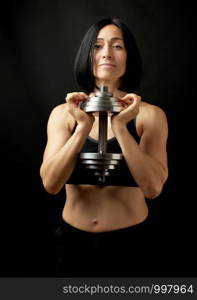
{"points": [[147, 172], [56, 170]]}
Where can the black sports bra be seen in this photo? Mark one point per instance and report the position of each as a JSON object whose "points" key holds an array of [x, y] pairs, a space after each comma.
{"points": [[120, 176]]}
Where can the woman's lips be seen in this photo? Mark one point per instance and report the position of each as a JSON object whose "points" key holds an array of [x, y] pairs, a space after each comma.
{"points": [[107, 65]]}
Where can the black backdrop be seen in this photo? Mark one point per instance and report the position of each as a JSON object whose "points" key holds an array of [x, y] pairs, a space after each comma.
{"points": [[39, 40]]}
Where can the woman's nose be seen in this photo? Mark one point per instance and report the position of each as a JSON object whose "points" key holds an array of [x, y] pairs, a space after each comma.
{"points": [[107, 56], [106, 53]]}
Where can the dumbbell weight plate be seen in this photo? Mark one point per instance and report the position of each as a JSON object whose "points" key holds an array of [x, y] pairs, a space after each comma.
{"points": [[99, 167], [101, 156], [99, 162], [97, 104]]}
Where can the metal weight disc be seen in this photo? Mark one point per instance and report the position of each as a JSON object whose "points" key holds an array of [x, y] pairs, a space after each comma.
{"points": [[99, 162], [99, 167], [96, 104], [101, 156]]}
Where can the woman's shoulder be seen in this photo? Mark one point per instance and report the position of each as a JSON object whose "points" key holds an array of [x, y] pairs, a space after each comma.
{"points": [[60, 114], [150, 115], [58, 109], [151, 110]]}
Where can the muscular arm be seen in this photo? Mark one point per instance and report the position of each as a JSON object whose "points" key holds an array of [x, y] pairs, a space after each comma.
{"points": [[62, 149], [148, 160]]}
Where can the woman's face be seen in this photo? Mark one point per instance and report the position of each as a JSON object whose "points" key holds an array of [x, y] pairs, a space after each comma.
{"points": [[109, 55]]}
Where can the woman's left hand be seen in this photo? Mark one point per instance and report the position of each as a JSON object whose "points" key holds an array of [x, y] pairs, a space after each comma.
{"points": [[130, 108]]}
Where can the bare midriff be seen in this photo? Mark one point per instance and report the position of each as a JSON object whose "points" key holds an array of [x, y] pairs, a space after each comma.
{"points": [[100, 209]]}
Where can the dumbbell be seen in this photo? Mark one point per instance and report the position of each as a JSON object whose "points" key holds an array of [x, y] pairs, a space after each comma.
{"points": [[101, 162]]}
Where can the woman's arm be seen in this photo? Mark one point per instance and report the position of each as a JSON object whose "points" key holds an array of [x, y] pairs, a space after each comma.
{"points": [[63, 147], [148, 160]]}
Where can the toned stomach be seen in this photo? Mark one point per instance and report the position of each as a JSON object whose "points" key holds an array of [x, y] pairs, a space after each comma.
{"points": [[100, 209]]}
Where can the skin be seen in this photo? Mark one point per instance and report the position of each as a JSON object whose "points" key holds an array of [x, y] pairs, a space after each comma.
{"points": [[95, 208]]}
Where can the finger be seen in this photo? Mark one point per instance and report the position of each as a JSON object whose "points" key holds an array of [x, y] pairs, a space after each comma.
{"points": [[83, 94], [131, 95], [127, 100], [76, 97], [124, 103], [130, 98], [69, 96], [76, 93], [91, 94]]}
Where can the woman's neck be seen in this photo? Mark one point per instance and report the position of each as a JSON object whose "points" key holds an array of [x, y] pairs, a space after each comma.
{"points": [[116, 92], [112, 86]]}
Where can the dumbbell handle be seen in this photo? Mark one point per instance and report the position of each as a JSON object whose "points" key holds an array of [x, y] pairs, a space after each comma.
{"points": [[103, 120]]}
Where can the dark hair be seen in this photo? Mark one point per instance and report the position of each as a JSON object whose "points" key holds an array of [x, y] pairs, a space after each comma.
{"points": [[83, 62]]}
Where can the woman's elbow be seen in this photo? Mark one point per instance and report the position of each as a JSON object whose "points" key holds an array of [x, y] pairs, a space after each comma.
{"points": [[152, 193], [48, 186], [53, 190], [154, 190]]}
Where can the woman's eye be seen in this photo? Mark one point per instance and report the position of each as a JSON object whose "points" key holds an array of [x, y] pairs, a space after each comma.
{"points": [[117, 46], [97, 46]]}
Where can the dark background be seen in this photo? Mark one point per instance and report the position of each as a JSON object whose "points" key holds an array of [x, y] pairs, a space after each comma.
{"points": [[39, 40]]}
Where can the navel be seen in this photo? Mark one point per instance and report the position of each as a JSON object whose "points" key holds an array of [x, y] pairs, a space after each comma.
{"points": [[95, 222]]}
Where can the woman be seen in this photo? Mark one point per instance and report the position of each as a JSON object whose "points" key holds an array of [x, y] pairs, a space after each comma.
{"points": [[97, 218]]}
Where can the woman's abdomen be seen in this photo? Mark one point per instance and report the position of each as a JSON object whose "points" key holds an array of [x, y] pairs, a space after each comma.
{"points": [[96, 209]]}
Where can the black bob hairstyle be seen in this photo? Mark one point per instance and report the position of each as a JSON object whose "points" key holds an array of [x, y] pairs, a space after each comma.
{"points": [[83, 68]]}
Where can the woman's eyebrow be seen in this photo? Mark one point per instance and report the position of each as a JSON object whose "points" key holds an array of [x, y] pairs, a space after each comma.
{"points": [[112, 39]]}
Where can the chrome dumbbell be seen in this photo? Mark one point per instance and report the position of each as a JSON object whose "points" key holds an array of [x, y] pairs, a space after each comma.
{"points": [[101, 162]]}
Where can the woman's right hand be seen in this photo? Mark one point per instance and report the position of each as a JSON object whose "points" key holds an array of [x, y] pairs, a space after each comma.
{"points": [[81, 117]]}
